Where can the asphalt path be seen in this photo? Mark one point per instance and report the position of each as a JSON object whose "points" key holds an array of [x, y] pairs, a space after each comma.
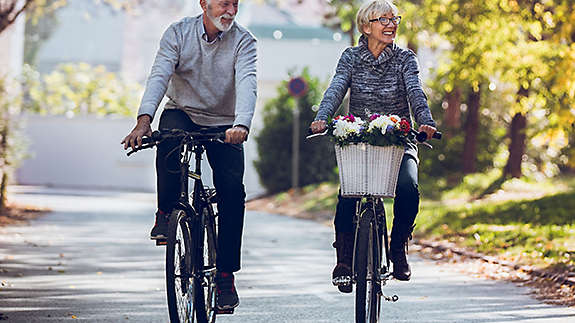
{"points": [[90, 260]]}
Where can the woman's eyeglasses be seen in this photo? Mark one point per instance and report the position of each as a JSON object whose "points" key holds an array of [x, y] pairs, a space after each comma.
{"points": [[384, 21]]}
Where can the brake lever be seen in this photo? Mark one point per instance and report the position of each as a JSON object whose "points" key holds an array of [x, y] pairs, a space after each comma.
{"points": [[317, 134], [142, 147], [236, 147]]}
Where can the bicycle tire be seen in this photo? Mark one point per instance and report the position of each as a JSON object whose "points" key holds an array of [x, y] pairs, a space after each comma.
{"points": [[198, 236], [360, 263], [179, 287], [373, 284], [208, 262]]}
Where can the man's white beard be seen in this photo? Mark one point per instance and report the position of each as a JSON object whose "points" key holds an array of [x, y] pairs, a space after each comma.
{"points": [[217, 21]]}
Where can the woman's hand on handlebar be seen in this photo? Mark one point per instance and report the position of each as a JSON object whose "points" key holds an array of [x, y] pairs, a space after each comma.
{"points": [[236, 135], [429, 130], [142, 128], [318, 126]]}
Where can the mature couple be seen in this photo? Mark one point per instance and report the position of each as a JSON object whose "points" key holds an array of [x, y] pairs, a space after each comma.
{"points": [[206, 65]]}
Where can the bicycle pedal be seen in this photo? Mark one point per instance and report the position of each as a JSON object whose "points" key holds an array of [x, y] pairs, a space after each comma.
{"points": [[224, 311], [161, 242], [341, 281]]}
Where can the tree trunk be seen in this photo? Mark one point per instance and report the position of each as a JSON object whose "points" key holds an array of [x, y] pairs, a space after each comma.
{"points": [[471, 131], [453, 112], [516, 146], [3, 165], [412, 45], [10, 10], [351, 34], [3, 192]]}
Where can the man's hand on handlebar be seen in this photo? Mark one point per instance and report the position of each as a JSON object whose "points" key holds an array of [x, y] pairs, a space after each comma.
{"points": [[236, 135], [429, 130], [318, 126], [142, 128]]}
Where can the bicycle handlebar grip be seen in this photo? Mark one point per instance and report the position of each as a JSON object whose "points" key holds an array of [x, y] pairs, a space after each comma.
{"points": [[156, 135], [422, 136]]}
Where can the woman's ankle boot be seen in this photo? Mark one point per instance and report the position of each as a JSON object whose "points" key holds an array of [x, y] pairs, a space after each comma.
{"points": [[341, 276]]}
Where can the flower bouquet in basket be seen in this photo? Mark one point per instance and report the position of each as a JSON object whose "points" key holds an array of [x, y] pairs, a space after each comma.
{"points": [[369, 153]]}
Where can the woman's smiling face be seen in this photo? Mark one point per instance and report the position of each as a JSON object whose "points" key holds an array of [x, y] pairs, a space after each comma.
{"points": [[378, 32]]}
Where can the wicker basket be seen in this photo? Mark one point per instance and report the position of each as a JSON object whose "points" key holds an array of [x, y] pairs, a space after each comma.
{"points": [[368, 170]]}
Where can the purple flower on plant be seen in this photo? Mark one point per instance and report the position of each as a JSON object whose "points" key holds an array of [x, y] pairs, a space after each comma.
{"points": [[374, 116], [350, 118]]}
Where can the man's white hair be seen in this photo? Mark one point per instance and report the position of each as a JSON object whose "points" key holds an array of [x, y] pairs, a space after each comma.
{"points": [[374, 9]]}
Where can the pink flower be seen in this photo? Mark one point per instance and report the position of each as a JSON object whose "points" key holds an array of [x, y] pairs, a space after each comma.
{"points": [[373, 116]]}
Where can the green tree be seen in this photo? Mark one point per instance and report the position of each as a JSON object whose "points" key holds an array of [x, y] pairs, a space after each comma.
{"points": [[274, 141], [506, 44], [341, 16], [12, 145]]}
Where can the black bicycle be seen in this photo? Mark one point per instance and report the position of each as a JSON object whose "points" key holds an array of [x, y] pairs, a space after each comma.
{"points": [[192, 232], [371, 266]]}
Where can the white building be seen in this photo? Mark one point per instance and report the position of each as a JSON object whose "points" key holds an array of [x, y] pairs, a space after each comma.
{"points": [[85, 152]]}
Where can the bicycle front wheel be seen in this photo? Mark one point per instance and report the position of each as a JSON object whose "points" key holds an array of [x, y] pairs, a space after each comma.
{"points": [[208, 263], [180, 284], [373, 281], [366, 263]]}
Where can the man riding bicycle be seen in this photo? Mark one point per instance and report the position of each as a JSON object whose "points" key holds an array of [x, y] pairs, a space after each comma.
{"points": [[207, 66]]}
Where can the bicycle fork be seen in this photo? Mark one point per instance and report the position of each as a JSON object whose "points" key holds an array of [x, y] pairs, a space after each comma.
{"points": [[381, 270]]}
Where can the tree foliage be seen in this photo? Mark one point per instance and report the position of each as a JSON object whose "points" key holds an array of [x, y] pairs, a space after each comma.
{"points": [[10, 10], [520, 47], [341, 15], [79, 89]]}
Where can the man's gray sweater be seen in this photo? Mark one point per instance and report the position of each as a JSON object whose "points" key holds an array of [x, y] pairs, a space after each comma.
{"points": [[213, 82]]}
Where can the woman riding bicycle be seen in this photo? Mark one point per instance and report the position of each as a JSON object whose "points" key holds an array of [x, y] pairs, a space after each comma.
{"points": [[382, 78]]}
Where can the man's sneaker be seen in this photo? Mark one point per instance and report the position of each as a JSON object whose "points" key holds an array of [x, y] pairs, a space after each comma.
{"points": [[160, 229], [226, 295]]}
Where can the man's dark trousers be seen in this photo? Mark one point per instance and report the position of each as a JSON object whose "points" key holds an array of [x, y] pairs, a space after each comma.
{"points": [[227, 166]]}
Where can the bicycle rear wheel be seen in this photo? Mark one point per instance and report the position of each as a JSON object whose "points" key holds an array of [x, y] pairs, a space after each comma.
{"points": [[180, 284]]}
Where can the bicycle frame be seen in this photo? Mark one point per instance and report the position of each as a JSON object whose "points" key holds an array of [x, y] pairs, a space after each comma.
{"points": [[199, 196]]}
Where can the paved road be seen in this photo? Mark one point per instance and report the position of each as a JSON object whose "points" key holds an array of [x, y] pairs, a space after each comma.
{"points": [[90, 261]]}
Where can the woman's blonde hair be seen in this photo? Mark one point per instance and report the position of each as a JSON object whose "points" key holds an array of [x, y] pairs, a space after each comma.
{"points": [[373, 9]]}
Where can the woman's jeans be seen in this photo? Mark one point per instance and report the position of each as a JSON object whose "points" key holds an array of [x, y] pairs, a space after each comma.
{"points": [[227, 166], [405, 206]]}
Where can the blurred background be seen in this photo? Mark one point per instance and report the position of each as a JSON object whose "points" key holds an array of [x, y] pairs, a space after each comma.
{"points": [[499, 75]]}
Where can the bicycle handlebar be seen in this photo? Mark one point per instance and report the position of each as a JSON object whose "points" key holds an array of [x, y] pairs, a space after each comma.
{"points": [[421, 137], [192, 137]]}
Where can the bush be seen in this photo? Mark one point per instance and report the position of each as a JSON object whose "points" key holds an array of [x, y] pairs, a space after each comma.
{"points": [[79, 89], [274, 142]]}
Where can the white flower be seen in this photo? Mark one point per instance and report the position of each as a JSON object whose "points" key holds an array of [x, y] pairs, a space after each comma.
{"points": [[380, 123], [344, 128]]}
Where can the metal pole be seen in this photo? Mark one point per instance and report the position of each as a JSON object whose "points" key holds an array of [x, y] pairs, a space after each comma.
{"points": [[295, 147]]}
